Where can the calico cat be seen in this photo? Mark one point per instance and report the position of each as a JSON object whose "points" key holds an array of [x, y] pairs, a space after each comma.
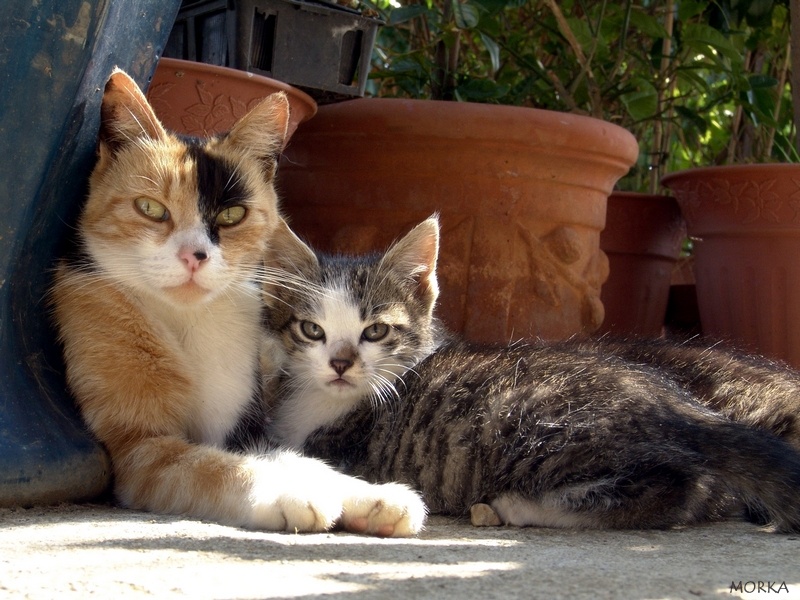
{"points": [[159, 312], [568, 434]]}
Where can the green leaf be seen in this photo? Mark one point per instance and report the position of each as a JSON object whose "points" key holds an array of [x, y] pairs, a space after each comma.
{"points": [[762, 81], [690, 77], [642, 103], [480, 90], [699, 36], [580, 27], [762, 102], [784, 150], [466, 15], [494, 51], [495, 6], [648, 25], [406, 13], [759, 13], [406, 66], [690, 8], [693, 117]]}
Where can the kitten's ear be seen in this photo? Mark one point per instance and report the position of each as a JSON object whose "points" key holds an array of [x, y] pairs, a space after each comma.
{"points": [[261, 133], [288, 253], [289, 266], [414, 257], [126, 115]]}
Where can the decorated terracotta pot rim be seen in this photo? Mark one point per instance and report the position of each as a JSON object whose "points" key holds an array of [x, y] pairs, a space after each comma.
{"points": [[193, 67], [732, 199], [758, 169], [201, 99]]}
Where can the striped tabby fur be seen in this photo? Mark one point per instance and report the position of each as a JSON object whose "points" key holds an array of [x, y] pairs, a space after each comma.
{"points": [[575, 434]]}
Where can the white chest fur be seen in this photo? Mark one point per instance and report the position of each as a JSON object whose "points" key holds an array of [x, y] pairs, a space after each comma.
{"points": [[301, 414], [217, 344]]}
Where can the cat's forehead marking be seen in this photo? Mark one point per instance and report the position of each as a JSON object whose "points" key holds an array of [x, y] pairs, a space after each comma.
{"points": [[218, 185], [395, 314], [340, 314]]}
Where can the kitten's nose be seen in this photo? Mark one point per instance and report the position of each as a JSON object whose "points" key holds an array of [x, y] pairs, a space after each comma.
{"points": [[340, 365], [192, 258]]}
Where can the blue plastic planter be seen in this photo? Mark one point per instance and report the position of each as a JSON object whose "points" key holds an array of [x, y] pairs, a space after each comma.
{"points": [[55, 56]]}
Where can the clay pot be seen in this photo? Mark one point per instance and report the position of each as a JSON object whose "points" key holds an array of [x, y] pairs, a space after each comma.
{"points": [[521, 195], [642, 239], [746, 219], [200, 99]]}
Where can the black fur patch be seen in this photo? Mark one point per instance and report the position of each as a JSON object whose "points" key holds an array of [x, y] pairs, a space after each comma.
{"points": [[219, 187]]}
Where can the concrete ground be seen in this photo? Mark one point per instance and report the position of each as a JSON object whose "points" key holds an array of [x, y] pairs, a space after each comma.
{"points": [[98, 551]]}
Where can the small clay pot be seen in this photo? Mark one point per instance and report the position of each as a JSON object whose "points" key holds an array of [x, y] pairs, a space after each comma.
{"points": [[200, 99], [642, 239], [746, 221]]}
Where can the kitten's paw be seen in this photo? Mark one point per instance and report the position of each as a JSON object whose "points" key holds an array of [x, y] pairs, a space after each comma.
{"points": [[388, 510]]}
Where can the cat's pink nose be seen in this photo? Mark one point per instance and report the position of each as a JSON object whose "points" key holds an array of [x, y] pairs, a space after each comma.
{"points": [[192, 258]]}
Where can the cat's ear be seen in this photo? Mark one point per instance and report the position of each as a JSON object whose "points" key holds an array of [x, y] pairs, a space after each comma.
{"points": [[125, 115], [289, 266], [288, 256], [261, 133], [414, 257]]}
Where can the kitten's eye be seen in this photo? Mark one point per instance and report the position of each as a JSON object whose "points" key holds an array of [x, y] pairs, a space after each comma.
{"points": [[375, 332], [231, 216], [311, 330], [152, 209]]}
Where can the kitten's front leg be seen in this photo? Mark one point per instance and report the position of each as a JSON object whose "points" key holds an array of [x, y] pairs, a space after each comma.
{"points": [[295, 492], [389, 510]]}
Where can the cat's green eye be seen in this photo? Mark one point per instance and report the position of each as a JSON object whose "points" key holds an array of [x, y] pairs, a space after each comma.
{"points": [[152, 209], [231, 216], [375, 332], [311, 330]]}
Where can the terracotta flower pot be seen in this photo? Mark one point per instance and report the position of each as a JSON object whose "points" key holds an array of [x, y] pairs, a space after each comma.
{"points": [[747, 221], [521, 194], [200, 99], [642, 239]]}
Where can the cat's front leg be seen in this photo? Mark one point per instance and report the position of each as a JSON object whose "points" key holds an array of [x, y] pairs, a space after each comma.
{"points": [[295, 493]]}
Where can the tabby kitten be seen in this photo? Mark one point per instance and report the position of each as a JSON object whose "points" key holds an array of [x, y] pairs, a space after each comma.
{"points": [[563, 434], [159, 313]]}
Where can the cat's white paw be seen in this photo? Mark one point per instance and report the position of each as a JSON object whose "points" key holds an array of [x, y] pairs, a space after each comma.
{"points": [[301, 512], [388, 510], [291, 493], [300, 506]]}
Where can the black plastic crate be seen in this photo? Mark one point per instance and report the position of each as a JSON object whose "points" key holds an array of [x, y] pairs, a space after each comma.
{"points": [[311, 45], [204, 31], [321, 48]]}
